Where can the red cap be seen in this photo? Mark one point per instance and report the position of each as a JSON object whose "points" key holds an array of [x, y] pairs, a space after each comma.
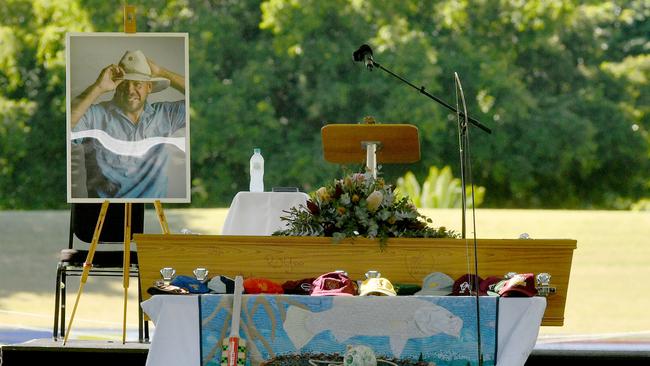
{"points": [[488, 284], [520, 285], [333, 284], [463, 284], [299, 287], [261, 286]]}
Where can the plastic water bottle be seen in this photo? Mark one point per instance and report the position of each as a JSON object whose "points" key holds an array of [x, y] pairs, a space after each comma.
{"points": [[257, 171]]}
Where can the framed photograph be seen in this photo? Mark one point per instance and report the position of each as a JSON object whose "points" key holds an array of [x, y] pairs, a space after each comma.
{"points": [[127, 117]]}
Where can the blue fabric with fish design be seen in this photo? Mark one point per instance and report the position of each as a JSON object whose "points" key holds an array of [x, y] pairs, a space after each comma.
{"points": [[439, 329]]}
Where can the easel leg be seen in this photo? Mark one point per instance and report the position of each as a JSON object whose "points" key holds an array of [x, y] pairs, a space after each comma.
{"points": [[126, 264], [87, 264], [161, 217]]}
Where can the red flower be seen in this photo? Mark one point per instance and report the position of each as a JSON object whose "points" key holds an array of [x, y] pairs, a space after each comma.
{"points": [[313, 207], [338, 191]]}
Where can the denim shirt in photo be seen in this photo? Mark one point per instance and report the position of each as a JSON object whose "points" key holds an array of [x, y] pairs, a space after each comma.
{"points": [[130, 176]]}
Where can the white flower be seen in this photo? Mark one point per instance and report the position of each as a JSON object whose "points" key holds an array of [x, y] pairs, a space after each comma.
{"points": [[374, 200]]}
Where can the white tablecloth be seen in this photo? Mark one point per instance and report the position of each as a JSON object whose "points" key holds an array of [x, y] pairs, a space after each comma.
{"points": [[258, 213], [176, 337]]}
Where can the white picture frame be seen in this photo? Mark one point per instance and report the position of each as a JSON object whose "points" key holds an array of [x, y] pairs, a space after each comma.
{"points": [[108, 159]]}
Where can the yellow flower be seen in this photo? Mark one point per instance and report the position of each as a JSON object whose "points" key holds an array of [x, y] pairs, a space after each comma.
{"points": [[341, 210], [347, 182], [322, 194], [355, 198], [374, 200]]}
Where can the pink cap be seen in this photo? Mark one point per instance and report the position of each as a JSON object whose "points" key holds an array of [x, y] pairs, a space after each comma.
{"points": [[333, 284]]}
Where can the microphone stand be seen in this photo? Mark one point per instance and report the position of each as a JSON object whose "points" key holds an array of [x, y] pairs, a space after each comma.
{"points": [[422, 91], [370, 63], [463, 140], [465, 164]]}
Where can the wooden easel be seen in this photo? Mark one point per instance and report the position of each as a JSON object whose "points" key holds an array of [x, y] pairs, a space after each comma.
{"points": [[126, 263], [129, 27]]}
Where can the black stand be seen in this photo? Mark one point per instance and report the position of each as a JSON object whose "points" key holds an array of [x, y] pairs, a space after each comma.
{"points": [[466, 166], [364, 54], [422, 91]]}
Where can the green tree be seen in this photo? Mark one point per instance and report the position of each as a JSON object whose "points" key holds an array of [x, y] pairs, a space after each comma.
{"points": [[563, 85], [32, 100]]}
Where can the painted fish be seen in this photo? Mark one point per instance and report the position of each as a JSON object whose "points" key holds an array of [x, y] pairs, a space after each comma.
{"points": [[400, 319]]}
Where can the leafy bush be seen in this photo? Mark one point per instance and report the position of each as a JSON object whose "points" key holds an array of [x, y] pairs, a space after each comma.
{"points": [[439, 190], [641, 205]]}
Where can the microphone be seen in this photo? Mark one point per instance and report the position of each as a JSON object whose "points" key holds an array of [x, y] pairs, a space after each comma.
{"points": [[364, 54]]}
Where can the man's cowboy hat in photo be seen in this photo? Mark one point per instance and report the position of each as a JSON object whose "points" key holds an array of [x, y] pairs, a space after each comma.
{"points": [[136, 67]]}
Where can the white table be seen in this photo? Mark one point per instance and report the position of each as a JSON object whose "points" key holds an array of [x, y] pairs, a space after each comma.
{"points": [[176, 337], [258, 213]]}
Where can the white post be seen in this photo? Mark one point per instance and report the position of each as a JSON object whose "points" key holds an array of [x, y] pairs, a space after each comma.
{"points": [[371, 157]]}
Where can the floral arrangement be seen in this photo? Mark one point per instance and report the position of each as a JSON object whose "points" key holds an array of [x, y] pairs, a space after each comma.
{"points": [[359, 206]]}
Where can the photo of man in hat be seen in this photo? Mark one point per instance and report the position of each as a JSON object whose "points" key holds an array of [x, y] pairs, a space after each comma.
{"points": [[127, 140]]}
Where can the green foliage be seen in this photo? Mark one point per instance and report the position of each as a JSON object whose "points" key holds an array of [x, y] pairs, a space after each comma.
{"points": [[439, 190], [32, 100], [641, 205], [563, 85]]}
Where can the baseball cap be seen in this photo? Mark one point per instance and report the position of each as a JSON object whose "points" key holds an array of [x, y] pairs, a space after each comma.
{"points": [[191, 284], [520, 285], [488, 285], [406, 289], [376, 286], [159, 288], [333, 284], [261, 286], [436, 284], [464, 283], [221, 285], [298, 287]]}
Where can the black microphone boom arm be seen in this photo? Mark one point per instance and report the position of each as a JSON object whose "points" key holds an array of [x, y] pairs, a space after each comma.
{"points": [[364, 53]]}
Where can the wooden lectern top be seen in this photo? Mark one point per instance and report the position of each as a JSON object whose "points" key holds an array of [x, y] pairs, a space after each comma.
{"points": [[345, 143]]}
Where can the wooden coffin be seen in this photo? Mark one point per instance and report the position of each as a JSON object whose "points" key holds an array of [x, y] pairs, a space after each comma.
{"points": [[281, 258]]}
